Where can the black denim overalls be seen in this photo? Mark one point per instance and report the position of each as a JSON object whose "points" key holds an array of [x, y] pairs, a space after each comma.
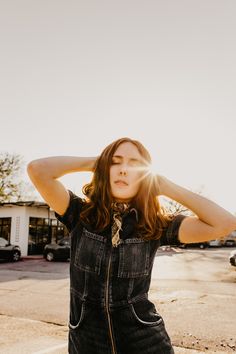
{"points": [[109, 308]]}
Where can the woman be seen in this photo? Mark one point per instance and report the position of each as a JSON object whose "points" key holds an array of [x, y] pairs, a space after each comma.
{"points": [[115, 232]]}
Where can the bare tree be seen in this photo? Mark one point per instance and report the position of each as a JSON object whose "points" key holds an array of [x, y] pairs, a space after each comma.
{"points": [[9, 170], [172, 207], [12, 187]]}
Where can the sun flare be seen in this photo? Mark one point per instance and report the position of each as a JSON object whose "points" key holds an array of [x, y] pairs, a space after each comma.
{"points": [[153, 169]]}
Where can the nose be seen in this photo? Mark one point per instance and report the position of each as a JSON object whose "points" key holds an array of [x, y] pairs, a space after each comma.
{"points": [[123, 170]]}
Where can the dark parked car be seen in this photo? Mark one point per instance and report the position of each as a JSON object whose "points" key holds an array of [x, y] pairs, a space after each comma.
{"points": [[232, 258], [230, 243], [9, 252], [57, 251], [200, 245], [230, 240]]}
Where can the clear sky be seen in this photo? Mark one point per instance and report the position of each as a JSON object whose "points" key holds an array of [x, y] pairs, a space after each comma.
{"points": [[75, 75]]}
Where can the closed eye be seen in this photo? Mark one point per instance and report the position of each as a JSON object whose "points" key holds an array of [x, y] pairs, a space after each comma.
{"points": [[135, 163]]}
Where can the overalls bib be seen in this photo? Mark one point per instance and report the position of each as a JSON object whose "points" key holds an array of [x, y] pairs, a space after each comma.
{"points": [[109, 308]]}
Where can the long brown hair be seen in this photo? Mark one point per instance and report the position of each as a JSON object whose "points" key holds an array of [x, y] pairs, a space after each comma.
{"points": [[152, 218]]}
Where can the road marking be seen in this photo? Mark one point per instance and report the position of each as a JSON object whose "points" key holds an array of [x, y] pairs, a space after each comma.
{"points": [[49, 350]]}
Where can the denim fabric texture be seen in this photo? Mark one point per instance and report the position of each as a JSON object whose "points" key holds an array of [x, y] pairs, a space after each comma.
{"points": [[110, 312]]}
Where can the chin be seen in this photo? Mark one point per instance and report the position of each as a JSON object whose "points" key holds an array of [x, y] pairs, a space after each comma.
{"points": [[121, 198], [122, 195]]}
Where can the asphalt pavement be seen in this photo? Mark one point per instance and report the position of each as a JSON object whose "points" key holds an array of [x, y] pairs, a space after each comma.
{"points": [[193, 290]]}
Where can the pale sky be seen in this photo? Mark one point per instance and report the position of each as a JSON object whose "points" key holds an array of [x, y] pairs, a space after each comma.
{"points": [[75, 75]]}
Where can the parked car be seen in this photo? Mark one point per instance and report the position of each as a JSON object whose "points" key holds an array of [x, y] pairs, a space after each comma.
{"points": [[216, 243], [232, 258], [230, 240], [57, 251], [200, 245], [9, 252], [230, 243]]}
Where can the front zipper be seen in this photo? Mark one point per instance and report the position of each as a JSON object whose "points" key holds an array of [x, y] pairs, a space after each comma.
{"points": [[107, 307]]}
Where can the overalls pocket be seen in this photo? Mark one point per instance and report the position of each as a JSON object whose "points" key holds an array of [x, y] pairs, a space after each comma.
{"points": [[144, 313], [134, 254], [90, 251], [77, 312]]}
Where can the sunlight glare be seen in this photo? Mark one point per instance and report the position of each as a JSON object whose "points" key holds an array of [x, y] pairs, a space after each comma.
{"points": [[153, 169]]}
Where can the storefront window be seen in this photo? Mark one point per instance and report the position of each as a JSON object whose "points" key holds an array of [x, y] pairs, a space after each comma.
{"points": [[39, 235], [58, 231], [43, 231], [5, 228]]}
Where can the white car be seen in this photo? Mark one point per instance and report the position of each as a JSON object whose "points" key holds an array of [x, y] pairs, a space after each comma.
{"points": [[232, 258], [215, 243]]}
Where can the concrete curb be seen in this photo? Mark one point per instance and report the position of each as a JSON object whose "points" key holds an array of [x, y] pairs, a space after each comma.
{"points": [[180, 350], [34, 257]]}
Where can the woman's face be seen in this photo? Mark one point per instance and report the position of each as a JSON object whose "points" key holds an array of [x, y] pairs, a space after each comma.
{"points": [[125, 172]]}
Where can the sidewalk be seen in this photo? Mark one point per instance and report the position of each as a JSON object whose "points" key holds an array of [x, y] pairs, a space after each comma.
{"points": [[28, 336], [176, 349]]}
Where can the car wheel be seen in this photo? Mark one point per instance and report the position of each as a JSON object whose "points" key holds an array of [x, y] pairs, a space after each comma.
{"points": [[16, 256], [50, 256], [201, 246]]}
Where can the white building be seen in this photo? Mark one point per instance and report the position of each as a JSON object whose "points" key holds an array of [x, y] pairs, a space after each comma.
{"points": [[30, 225]]}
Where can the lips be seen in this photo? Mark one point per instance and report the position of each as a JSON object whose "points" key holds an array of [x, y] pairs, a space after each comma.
{"points": [[121, 183]]}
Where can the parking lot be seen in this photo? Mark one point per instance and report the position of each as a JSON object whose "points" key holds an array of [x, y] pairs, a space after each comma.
{"points": [[193, 289]]}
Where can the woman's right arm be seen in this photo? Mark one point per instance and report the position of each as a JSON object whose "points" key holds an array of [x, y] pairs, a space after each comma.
{"points": [[44, 174]]}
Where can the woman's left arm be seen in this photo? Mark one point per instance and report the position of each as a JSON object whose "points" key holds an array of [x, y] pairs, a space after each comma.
{"points": [[211, 220]]}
